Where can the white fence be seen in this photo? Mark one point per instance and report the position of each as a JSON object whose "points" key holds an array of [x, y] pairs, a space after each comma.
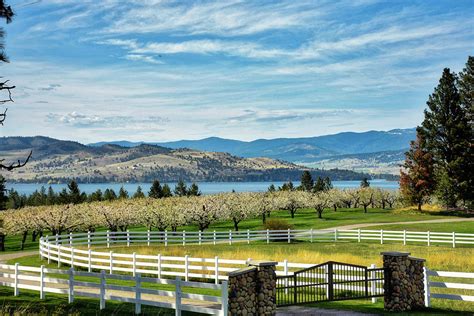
{"points": [[450, 295], [136, 292], [166, 238]]}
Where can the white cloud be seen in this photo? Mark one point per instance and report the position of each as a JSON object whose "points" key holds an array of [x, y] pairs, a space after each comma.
{"points": [[143, 58]]}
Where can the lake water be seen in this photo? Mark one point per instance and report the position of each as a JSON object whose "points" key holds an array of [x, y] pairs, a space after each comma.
{"points": [[205, 187]]}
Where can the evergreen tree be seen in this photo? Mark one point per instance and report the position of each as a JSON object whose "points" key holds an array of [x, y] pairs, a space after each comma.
{"points": [[167, 191], [139, 193], [96, 196], [417, 180], [307, 181], [327, 184], [271, 188], [365, 183], [15, 200], [123, 194], [194, 190], [51, 197], [110, 195], [466, 91], [180, 189], [447, 133], [3, 193], [319, 186], [156, 191], [75, 196]]}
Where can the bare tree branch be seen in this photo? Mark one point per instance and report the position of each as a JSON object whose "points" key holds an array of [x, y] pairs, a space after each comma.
{"points": [[16, 165]]}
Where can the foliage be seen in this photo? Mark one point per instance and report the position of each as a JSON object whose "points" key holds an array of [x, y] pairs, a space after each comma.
{"points": [[307, 181], [3, 195], [277, 224], [365, 183]]}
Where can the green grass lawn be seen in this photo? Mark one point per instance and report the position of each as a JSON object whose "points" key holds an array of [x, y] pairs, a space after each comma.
{"points": [[458, 227]]}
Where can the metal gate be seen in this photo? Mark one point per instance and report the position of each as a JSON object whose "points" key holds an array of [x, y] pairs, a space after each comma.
{"points": [[330, 281]]}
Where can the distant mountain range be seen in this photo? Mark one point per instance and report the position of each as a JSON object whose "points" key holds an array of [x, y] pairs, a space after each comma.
{"points": [[60, 161], [376, 151]]}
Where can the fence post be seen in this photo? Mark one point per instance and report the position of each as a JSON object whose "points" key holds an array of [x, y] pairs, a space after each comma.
{"points": [[358, 235], [404, 237], [200, 238], [49, 251], [426, 277], [330, 282], [88, 239], [335, 235], [285, 271], [70, 238], [72, 258], [102, 289], [128, 238], [454, 240], [268, 236], [373, 284], [381, 236], [311, 235], [230, 237], [57, 239], [159, 266], [89, 260], [216, 269], [138, 294], [59, 256], [16, 291], [148, 237], [42, 282], [178, 297], [166, 238], [108, 239], [184, 238], [289, 235], [186, 268], [248, 236], [71, 286], [429, 238], [214, 237], [326, 279], [134, 263], [111, 262], [225, 299]]}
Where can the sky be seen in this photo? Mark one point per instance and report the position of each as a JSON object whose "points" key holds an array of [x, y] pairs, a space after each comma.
{"points": [[158, 70]]}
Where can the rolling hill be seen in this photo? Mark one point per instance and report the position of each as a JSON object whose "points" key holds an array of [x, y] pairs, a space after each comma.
{"points": [[60, 161]]}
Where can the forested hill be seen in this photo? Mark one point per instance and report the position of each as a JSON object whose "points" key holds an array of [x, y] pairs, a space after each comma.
{"points": [[60, 161]]}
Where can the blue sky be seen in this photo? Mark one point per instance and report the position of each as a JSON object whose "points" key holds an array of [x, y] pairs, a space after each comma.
{"points": [[165, 70]]}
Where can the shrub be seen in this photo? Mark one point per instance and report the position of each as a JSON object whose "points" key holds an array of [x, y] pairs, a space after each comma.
{"points": [[277, 224]]}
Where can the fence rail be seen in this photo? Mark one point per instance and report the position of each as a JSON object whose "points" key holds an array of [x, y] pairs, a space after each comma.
{"points": [[452, 286], [109, 238], [49, 281]]}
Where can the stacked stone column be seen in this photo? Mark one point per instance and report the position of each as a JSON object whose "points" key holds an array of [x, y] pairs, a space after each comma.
{"points": [[252, 290], [404, 284]]}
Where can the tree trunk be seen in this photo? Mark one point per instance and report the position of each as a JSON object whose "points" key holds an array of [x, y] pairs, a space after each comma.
{"points": [[34, 234], [419, 206], [383, 204], [23, 239], [292, 212], [2, 241], [320, 214], [335, 208], [236, 225], [365, 208], [264, 218]]}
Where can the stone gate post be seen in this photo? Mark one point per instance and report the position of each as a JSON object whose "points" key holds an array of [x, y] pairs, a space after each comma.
{"points": [[404, 285]]}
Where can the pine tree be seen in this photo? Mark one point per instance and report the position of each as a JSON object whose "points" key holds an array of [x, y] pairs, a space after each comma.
{"points": [[167, 191], [180, 189], [365, 183], [417, 180], [123, 194], [109, 195], [156, 191], [447, 133], [96, 196], [466, 91], [139, 193], [3, 193], [307, 181], [74, 194], [319, 185], [271, 188], [51, 198], [194, 190], [327, 184]]}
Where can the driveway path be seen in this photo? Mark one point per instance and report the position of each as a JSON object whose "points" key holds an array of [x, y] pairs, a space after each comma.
{"points": [[314, 311]]}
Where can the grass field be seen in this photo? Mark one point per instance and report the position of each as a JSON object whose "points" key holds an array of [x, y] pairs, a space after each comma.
{"points": [[458, 227]]}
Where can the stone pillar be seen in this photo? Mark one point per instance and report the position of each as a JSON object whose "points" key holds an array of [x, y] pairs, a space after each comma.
{"points": [[266, 287], [252, 290], [403, 286]]}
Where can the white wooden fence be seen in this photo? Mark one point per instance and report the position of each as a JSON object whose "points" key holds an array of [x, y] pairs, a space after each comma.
{"points": [[37, 279], [108, 238], [453, 286]]}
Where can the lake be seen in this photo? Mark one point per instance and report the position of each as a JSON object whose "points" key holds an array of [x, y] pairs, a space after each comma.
{"points": [[205, 187]]}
